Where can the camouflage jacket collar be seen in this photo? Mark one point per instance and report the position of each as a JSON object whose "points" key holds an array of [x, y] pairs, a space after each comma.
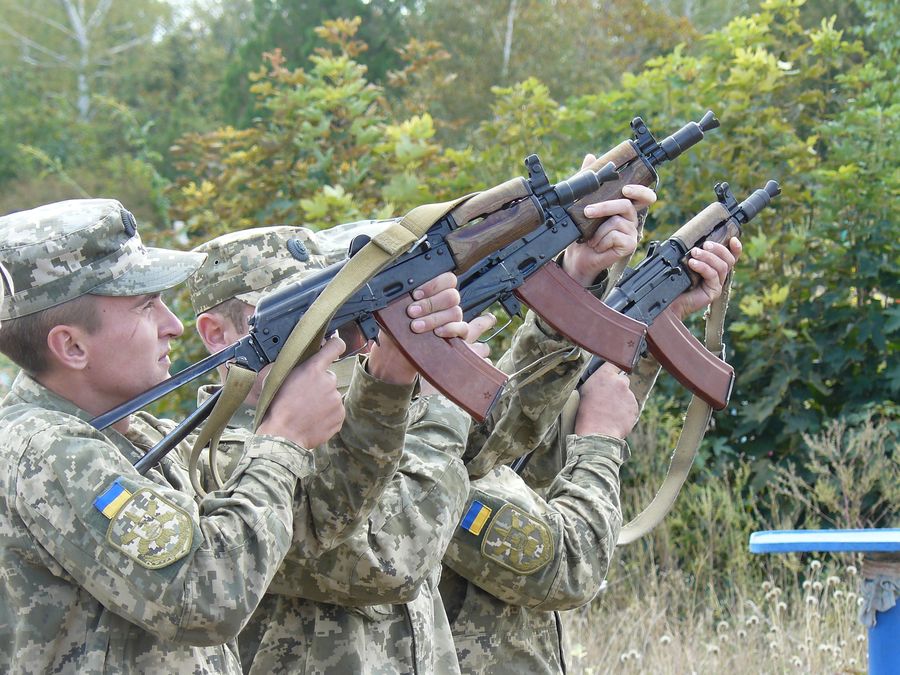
{"points": [[25, 389], [28, 391]]}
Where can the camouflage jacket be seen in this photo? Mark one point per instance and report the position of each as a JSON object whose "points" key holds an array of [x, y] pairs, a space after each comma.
{"points": [[526, 414], [108, 570], [371, 604], [517, 555]]}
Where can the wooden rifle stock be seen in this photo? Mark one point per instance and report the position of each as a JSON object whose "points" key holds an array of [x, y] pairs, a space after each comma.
{"points": [[586, 321], [688, 361], [449, 364]]}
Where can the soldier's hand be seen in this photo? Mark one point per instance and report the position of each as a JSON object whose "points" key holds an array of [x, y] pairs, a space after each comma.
{"points": [[607, 404], [616, 238], [320, 413], [475, 329], [712, 263], [436, 308]]}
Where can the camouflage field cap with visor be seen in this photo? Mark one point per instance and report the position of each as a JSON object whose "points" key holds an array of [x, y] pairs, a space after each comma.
{"points": [[61, 251], [248, 264]]}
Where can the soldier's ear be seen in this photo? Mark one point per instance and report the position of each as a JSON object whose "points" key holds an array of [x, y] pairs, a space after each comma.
{"points": [[66, 346], [211, 327]]}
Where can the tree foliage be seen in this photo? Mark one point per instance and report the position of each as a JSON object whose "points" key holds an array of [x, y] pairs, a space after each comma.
{"points": [[290, 26], [814, 323], [363, 118]]}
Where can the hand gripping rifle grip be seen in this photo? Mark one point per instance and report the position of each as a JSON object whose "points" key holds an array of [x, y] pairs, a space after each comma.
{"points": [[689, 362], [454, 369], [586, 321]]}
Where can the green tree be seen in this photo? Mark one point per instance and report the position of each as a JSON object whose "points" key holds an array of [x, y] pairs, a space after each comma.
{"points": [[289, 26], [572, 46], [814, 331]]}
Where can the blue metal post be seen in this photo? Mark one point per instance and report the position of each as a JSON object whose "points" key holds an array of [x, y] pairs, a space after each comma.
{"points": [[884, 643]]}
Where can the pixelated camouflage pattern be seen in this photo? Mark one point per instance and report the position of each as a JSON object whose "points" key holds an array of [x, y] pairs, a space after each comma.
{"points": [[317, 621], [73, 602], [61, 251], [371, 604], [501, 597], [247, 264], [352, 468], [549, 457], [525, 417], [500, 588]]}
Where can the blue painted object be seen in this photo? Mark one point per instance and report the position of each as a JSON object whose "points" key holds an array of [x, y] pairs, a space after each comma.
{"points": [[856, 541], [884, 637]]}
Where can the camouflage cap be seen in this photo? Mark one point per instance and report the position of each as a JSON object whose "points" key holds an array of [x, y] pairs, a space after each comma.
{"points": [[61, 251], [248, 264]]}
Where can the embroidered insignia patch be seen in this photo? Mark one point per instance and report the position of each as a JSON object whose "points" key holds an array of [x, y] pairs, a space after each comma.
{"points": [[151, 530], [517, 541], [112, 500], [475, 517]]}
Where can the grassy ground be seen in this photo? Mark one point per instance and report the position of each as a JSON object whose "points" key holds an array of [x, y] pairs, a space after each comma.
{"points": [[691, 598], [665, 623]]}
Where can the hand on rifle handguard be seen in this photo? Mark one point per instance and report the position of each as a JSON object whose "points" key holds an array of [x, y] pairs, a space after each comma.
{"points": [[615, 239], [712, 262]]}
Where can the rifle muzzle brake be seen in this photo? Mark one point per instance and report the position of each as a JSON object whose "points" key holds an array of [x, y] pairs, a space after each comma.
{"points": [[690, 134], [759, 200]]}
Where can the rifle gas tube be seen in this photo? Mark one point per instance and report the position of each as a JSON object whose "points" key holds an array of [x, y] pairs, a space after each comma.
{"points": [[520, 273]]}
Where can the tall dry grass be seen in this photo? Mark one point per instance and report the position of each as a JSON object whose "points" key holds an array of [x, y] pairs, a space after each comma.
{"points": [[691, 598]]}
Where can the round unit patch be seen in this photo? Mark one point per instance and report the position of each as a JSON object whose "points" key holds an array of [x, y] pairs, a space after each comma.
{"points": [[151, 530], [517, 541]]}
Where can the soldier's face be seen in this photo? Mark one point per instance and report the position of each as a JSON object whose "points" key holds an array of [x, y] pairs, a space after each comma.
{"points": [[129, 353]]}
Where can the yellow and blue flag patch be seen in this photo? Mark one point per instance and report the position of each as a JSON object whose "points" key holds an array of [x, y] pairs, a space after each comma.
{"points": [[475, 518], [115, 497]]}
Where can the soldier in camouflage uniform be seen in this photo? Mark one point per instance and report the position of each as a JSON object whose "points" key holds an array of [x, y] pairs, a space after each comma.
{"points": [[319, 613], [105, 569], [519, 555], [371, 604]]}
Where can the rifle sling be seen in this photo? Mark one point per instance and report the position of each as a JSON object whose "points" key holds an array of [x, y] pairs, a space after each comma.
{"points": [[309, 331], [385, 247], [696, 422], [238, 384]]}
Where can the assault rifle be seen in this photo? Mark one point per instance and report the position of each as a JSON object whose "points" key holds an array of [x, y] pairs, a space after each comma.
{"points": [[646, 292], [519, 272], [450, 244]]}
